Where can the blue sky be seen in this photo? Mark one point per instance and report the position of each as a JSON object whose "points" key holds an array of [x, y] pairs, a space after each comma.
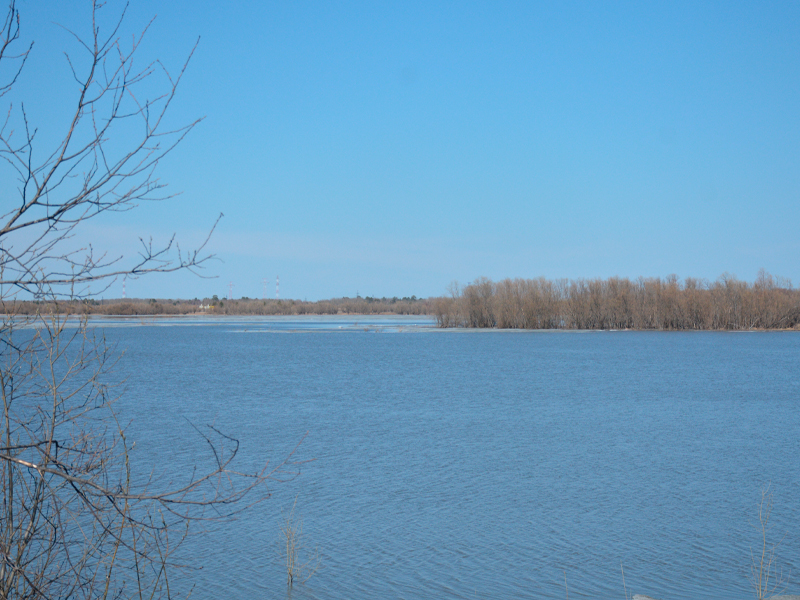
{"points": [[390, 148]]}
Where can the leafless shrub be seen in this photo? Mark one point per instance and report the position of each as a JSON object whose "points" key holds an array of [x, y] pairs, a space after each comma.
{"points": [[619, 303], [77, 519]]}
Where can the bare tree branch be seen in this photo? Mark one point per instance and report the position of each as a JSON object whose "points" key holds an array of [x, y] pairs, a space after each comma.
{"points": [[88, 172], [77, 520]]}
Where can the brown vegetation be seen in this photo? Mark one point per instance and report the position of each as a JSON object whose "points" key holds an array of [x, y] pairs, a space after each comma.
{"points": [[765, 576], [615, 303], [621, 303], [299, 565], [214, 306]]}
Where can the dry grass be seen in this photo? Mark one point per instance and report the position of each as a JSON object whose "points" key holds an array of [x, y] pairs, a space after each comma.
{"points": [[299, 566], [624, 587], [767, 579]]}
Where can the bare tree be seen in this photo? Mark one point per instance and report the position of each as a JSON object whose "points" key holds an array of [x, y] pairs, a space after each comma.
{"points": [[77, 520], [105, 161], [619, 303]]}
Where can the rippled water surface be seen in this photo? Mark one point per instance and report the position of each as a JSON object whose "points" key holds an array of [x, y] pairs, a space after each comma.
{"points": [[480, 464]]}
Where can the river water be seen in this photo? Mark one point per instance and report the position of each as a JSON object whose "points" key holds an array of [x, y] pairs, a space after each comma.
{"points": [[478, 464]]}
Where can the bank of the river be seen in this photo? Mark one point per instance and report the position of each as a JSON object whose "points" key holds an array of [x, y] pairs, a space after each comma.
{"points": [[220, 307]]}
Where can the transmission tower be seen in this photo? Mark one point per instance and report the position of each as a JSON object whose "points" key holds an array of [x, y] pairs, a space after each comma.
{"points": [[264, 282], [230, 291], [277, 287]]}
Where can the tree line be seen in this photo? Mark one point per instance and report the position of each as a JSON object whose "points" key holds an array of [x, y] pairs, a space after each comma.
{"points": [[616, 303], [216, 306], [620, 303]]}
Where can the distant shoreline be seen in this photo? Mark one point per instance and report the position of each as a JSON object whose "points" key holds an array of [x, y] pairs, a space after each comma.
{"points": [[139, 307], [652, 304], [370, 318]]}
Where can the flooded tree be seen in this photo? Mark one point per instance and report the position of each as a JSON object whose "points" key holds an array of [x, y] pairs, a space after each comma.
{"points": [[620, 303]]}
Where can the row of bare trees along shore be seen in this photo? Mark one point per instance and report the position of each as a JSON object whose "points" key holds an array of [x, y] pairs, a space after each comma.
{"points": [[616, 303], [620, 303], [216, 307]]}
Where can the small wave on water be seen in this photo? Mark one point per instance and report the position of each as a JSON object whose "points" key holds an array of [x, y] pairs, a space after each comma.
{"points": [[485, 465]]}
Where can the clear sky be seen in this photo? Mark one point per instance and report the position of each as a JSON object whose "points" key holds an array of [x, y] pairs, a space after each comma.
{"points": [[388, 148]]}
